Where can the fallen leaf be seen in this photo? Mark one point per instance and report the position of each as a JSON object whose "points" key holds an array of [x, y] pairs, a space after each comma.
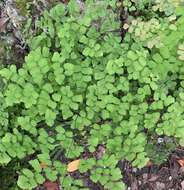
{"points": [[43, 165], [49, 185], [181, 162], [73, 166]]}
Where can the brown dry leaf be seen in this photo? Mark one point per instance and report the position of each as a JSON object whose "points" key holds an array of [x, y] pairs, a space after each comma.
{"points": [[73, 166], [43, 165], [181, 162], [48, 185]]}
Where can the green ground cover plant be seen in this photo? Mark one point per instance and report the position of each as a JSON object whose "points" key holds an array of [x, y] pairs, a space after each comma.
{"points": [[82, 85]]}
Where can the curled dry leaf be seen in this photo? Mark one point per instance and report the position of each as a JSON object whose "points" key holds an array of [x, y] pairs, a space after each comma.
{"points": [[73, 166]]}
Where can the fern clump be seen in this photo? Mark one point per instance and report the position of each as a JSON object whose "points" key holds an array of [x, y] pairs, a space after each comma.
{"points": [[81, 87]]}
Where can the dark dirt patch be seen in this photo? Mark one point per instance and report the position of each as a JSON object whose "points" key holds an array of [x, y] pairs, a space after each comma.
{"points": [[168, 176]]}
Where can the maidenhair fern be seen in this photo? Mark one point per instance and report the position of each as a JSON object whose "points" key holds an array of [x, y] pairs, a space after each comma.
{"points": [[82, 86]]}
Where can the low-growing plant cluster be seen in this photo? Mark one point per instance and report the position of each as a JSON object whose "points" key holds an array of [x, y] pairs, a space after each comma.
{"points": [[83, 86]]}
